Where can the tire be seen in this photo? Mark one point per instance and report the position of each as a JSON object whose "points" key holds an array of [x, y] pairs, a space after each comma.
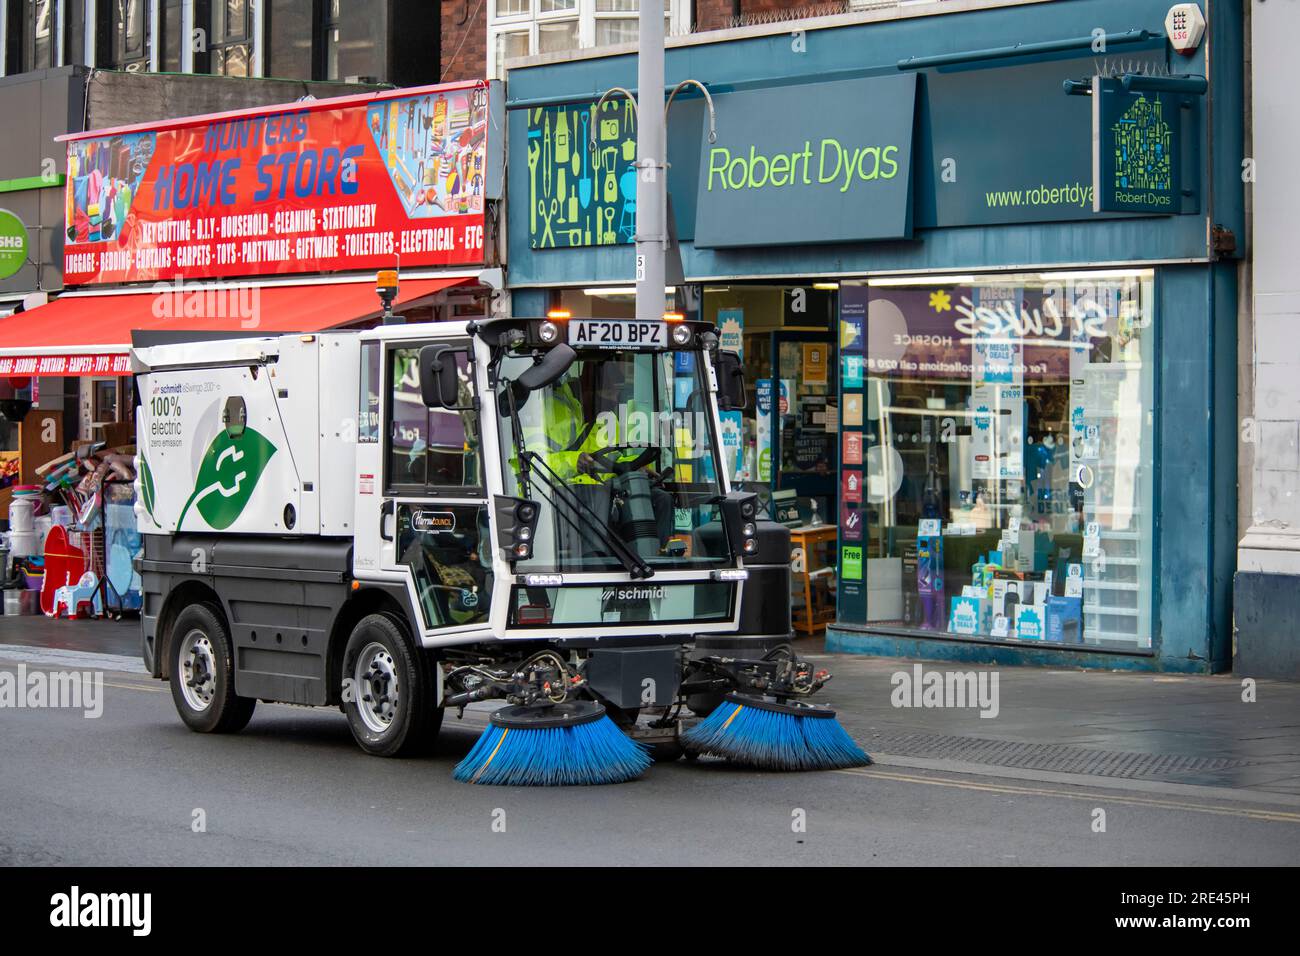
{"points": [[667, 752], [202, 673], [380, 665]]}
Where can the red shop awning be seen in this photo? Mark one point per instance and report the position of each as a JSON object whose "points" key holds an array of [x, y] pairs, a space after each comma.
{"points": [[91, 334]]}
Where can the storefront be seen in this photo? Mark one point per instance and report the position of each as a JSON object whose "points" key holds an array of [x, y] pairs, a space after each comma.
{"points": [[249, 223], [998, 358]]}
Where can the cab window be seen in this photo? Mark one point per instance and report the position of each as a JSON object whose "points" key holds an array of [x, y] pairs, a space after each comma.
{"points": [[430, 450]]}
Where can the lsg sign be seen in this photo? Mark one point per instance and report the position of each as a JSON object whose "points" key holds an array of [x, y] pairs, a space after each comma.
{"points": [[1185, 25]]}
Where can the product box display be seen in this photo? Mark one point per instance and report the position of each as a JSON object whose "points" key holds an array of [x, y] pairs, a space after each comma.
{"points": [[969, 615], [1030, 622], [884, 589], [929, 580], [1065, 619]]}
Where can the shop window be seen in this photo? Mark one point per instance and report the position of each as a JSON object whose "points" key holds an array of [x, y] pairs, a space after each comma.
{"points": [[785, 440], [429, 449], [997, 444], [605, 302], [104, 394]]}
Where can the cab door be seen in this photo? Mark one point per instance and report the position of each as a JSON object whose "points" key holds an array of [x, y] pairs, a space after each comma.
{"points": [[433, 514]]}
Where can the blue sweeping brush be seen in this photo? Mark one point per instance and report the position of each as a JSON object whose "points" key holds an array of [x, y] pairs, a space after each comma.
{"points": [[567, 744], [769, 735]]}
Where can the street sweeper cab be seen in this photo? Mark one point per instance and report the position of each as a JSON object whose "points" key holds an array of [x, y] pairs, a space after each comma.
{"points": [[534, 511]]}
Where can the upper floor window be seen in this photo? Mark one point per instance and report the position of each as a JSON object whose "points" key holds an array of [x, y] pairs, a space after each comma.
{"points": [[129, 32], [231, 44], [524, 27], [40, 38]]}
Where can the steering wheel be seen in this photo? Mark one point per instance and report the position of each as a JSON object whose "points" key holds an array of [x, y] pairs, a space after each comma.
{"points": [[606, 460]]}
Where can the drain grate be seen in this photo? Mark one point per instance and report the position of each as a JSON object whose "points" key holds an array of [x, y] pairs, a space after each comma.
{"points": [[1056, 757]]}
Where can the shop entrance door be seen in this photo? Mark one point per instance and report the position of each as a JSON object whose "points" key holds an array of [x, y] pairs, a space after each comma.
{"points": [[805, 418]]}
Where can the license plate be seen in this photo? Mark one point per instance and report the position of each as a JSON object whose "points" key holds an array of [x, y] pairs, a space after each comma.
{"points": [[621, 334]]}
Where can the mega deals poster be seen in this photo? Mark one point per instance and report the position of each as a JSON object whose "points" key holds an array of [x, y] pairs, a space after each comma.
{"points": [[310, 187]]}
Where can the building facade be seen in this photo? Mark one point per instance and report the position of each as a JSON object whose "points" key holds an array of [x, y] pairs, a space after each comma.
{"points": [[69, 66], [1267, 593], [1005, 377]]}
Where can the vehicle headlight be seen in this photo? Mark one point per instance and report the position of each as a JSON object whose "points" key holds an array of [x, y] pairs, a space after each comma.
{"points": [[682, 334], [548, 332]]}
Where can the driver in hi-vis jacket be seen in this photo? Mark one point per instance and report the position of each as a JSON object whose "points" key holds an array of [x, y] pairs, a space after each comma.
{"points": [[580, 437]]}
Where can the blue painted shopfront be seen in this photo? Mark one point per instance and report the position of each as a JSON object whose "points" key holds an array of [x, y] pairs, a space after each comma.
{"points": [[1010, 129]]}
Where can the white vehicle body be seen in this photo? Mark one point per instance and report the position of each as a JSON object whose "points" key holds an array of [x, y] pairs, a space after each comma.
{"points": [[275, 489]]}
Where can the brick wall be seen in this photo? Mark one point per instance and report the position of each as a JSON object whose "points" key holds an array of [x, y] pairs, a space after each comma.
{"points": [[464, 40]]}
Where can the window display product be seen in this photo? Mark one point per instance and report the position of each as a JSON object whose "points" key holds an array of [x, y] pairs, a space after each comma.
{"points": [[929, 580]]}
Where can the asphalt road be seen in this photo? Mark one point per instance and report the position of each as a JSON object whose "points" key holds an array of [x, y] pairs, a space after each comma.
{"points": [[294, 789]]}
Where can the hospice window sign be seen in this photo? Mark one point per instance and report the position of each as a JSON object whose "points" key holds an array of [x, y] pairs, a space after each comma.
{"points": [[823, 162], [309, 187]]}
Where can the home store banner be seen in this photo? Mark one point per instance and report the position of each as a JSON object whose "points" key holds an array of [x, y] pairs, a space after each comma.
{"points": [[309, 188], [825, 162]]}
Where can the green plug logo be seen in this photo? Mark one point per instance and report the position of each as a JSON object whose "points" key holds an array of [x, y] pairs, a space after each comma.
{"points": [[229, 472]]}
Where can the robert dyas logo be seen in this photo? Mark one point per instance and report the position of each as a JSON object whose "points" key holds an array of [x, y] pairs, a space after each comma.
{"points": [[837, 163], [77, 909]]}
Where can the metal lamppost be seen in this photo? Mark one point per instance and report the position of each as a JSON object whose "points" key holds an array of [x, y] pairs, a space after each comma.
{"points": [[652, 235]]}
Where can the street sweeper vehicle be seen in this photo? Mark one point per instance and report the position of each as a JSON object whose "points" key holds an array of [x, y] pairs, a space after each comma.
{"points": [[426, 516]]}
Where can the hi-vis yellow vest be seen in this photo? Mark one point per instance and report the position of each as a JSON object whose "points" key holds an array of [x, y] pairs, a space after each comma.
{"points": [[564, 434]]}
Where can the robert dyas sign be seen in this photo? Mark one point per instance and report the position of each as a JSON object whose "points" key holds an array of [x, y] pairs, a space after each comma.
{"points": [[823, 162], [1136, 150]]}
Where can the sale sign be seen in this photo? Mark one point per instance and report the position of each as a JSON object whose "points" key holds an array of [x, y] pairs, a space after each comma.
{"points": [[351, 183]]}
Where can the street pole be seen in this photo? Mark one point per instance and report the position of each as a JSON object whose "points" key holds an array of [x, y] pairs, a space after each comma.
{"points": [[651, 189]]}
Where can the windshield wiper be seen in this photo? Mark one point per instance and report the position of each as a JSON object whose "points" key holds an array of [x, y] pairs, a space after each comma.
{"points": [[631, 561], [598, 530]]}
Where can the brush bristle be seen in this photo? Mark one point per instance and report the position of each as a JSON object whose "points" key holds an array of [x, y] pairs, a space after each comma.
{"points": [[768, 740], [591, 753]]}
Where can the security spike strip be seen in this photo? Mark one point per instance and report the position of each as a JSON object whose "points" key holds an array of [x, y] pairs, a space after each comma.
{"points": [[568, 744], [768, 734]]}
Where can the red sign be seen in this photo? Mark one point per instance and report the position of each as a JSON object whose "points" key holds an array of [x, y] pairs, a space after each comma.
{"points": [[852, 448], [353, 183], [21, 366], [851, 484]]}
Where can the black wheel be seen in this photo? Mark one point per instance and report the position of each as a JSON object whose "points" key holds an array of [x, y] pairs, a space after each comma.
{"points": [[389, 696], [667, 752], [202, 673]]}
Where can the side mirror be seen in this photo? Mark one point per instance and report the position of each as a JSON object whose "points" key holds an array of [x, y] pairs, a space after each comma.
{"points": [[545, 372], [548, 371], [731, 382], [439, 383]]}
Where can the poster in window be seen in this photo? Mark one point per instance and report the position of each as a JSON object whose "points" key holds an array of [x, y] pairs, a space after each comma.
{"points": [[814, 363]]}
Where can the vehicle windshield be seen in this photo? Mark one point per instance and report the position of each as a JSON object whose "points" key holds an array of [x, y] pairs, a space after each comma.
{"points": [[622, 446]]}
